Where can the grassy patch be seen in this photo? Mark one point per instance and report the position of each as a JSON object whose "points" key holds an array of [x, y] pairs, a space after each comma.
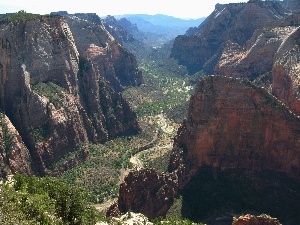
{"points": [[53, 92]]}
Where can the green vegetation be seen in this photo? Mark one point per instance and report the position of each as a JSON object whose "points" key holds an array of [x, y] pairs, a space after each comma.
{"points": [[100, 173], [40, 133], [22, 16], [166, 87], [33, 200], [53, 92]]}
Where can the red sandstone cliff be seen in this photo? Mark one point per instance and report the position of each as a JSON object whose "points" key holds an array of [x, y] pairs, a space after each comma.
{"points": [[270, 57], [200, 48], [113, 62], [59, 98], [234, 124], [14, 156]]}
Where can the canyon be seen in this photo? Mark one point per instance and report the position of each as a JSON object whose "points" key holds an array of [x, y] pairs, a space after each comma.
{"points": [[63, 82], [241, 132], [62, 76]]}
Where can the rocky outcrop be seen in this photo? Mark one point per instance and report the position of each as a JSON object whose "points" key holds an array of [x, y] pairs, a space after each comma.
{"points": [[113, 62], [56, 90], [270, 58], [14, 156], [234, 124], [255, 220], [201, 48], [237, 144], [145, 191], [242, 141], [128, 26], [129, 36], [286, 70]]}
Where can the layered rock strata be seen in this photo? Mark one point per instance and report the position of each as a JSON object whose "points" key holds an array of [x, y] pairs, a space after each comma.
{"points": [[57, 91], [200, 49], [232, 126], [113, 62], [270, 58], [145, 191]]}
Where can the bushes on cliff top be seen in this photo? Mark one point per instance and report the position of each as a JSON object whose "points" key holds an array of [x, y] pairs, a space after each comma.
{"points": [[21, 16]]}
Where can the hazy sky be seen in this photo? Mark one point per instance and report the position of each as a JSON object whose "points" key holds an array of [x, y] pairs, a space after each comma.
{"points": [[176, 8]]}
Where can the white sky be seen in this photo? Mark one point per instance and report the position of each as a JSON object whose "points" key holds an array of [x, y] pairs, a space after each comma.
{"points": [[176, 8]]}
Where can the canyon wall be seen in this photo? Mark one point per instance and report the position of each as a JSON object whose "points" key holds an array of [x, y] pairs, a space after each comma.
{"points": [[57, 90]]}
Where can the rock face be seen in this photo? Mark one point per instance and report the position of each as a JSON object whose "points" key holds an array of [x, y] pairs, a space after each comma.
{"points": [[113, 62], [14, 156], [129, 36], [57, 90], [237, 144], [286, 70], [255, 220], [270, 58], [201, 48], [234, 124], [146, 192], [117, 30]]}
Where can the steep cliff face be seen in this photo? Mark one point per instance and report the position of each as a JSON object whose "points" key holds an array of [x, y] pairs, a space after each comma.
{"points": [[200, 49], [233, 124], [113, 62], [14, 156], [286, 71], [129, 36], [270, 57], [237, 144], [56, 98], [146, 192]]}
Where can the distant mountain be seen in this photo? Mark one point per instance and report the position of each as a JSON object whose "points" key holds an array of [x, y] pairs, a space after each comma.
{"points": [[166, 27], [163, 21]]}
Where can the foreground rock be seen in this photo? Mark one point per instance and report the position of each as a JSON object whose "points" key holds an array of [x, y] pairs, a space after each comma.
{"points": [[255, 220], [145, 191]]}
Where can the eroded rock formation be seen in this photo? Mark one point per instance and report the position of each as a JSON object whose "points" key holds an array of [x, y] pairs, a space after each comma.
{"points": [[270, 58], [58, 91], [237, 143], [242, 142], [234, 124], [201, 48], [145, 191], [255, 220], [14, 156], [113, 62]]}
